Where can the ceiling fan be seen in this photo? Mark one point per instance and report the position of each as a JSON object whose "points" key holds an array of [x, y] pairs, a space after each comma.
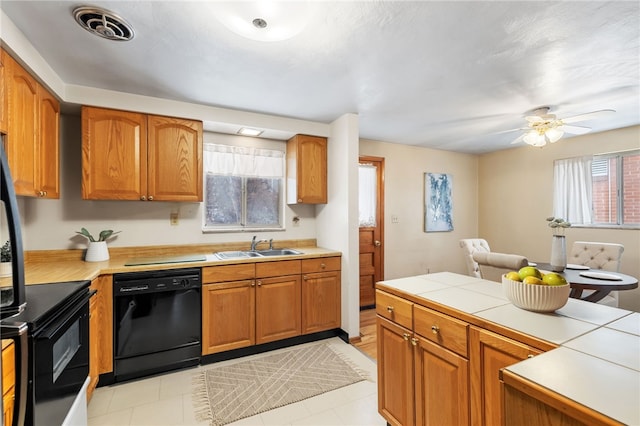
{"points": [[543, 127]]}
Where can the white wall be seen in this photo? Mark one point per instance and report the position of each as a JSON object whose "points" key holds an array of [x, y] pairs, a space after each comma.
{"points": [[516, 195], [408, 250]]}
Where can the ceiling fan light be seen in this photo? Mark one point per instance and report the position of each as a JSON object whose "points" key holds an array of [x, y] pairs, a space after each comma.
{"points": [[534, 138], [554, 134]]}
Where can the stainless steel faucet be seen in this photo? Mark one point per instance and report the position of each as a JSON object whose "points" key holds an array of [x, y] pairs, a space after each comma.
{"points": [[254, 243]]}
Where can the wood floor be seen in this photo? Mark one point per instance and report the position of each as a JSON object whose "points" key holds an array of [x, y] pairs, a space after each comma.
{"points": [[367, 343]]}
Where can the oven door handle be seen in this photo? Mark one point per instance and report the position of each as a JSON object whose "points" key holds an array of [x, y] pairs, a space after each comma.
{"points": [[62, 320], [17, 331]]}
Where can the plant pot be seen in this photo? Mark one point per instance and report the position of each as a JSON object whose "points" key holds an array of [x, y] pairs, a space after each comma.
{"points": [[5, 269], [97, 252], [558, 253]]}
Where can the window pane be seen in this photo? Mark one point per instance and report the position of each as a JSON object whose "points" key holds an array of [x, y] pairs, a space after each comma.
{"points": [[224, 200], [367, 194], [605, 191], [263, 202], [631, 189]]}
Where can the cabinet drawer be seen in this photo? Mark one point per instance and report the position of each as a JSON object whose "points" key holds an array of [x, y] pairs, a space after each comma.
{"points": [[442, 329], [8, 365], [321, 264], [217, 274], [394, 308], [276, 269]]}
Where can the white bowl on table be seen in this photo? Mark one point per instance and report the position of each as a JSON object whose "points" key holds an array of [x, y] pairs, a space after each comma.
{"points": [[536, 297]]}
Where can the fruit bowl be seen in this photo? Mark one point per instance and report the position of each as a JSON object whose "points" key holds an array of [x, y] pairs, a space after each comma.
{"points": [[536, 297]]}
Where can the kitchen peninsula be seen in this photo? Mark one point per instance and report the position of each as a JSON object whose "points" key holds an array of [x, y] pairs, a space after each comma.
{"points": [[444, 338]]}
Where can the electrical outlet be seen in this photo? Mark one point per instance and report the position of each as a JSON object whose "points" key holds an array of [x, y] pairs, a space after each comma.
{"points": [[394, 218], [173, 218]]}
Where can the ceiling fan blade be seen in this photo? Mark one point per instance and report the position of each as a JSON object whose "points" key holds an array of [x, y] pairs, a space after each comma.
{"points": [[576, 130], [588, 116], [518, 139]]}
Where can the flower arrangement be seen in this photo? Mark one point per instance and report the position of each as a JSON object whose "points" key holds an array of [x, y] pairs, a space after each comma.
{"points": [[107, 233], [5, 252], [558, 225]]}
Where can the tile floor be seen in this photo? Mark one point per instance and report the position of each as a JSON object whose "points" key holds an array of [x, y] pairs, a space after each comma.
{"points": [[166, 400]]}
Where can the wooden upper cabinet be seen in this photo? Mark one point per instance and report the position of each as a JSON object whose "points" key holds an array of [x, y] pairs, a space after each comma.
{"points": [[134, 156], [307, 170], [174, 159], [33, 124], [4, 98], [114, 154]]}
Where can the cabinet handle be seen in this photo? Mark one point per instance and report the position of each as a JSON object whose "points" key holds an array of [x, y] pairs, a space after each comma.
{"points": [[143, 198], [530, 356], [299, 200], [322, 266], [435, 329], [253, 283], [259, 283], [405, 336], [390, 309], [150, 197], [304, 277], [414, 341], [377, 243]]}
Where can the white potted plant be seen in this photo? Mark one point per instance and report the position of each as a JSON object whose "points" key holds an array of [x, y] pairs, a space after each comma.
{"points": [[5, 260], [97, 250]]}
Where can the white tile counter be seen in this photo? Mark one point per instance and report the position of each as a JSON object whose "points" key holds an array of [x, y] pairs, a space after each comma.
{"points": [[597, 363]]}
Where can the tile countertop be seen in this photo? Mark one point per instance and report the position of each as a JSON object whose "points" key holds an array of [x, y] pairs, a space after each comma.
{"points": [[43, 271], [597, 363]]}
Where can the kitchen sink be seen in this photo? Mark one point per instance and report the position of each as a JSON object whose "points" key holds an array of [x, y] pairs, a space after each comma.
{"points": [[244, 254], [279, 252], [224, 255]]}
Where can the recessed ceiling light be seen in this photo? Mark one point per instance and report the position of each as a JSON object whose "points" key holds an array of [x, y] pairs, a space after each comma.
{"points": [[248, 131]]}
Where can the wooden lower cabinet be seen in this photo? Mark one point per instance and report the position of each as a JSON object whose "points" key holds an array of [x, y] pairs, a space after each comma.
{"points": [[420, 380], [278, 308], [101, 327], [228, 316], [321, 294], [8, 380], [490, 353]]}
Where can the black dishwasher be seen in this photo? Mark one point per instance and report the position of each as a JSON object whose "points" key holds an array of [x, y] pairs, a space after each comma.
{"points": [[156, 321]]}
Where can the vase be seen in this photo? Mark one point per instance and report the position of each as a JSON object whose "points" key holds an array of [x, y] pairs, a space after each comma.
{"points": [[558, 253], [97, 252]]}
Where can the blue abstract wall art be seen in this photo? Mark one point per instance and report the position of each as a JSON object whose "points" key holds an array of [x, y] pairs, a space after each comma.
{"points": [[438, 203]]}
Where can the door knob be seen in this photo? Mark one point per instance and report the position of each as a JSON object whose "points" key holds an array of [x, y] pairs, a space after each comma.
{"points": [[377, 243]]}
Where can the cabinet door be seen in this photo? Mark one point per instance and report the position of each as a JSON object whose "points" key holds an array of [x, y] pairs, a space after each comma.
{"points": [[307, 170], [174, 159], [320, 301], [395, 373], [489, 352], [114, 154], [4, 98], [94, 347], [228, 316], [22, 137], [278, 308], [442, 385], [47, 155], [102, 335]]}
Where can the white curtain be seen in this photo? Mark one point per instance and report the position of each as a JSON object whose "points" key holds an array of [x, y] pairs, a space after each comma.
{"points": [[367, 194], [243, 161], [573, 190]]}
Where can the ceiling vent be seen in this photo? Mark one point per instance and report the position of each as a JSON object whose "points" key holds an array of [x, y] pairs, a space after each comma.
{"points": [[103, 23]]}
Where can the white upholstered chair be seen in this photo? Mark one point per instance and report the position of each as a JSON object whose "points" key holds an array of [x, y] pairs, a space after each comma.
{"points": [[605, 256], [493, 265], [470, 246]]}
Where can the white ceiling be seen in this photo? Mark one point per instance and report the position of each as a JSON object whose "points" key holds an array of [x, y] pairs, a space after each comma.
{"points": [[441, 74]]}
